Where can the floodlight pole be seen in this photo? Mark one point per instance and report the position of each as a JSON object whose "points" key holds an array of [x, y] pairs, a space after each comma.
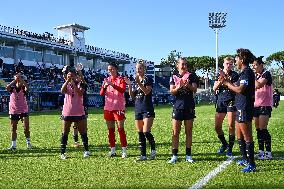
{"points": [[216, 66], [217, 21]]}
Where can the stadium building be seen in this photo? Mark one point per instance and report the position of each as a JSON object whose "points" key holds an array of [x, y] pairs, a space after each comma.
{"points": [[42, 57]]}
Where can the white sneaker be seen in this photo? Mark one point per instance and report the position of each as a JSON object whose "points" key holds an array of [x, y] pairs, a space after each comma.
{"points": [[268, 156], [260, 155], [112, 152], [153, 154], [12, 148], [123, 155], [189, 159], [29, 145], [87, 154], [63, 156], [173, 160]]}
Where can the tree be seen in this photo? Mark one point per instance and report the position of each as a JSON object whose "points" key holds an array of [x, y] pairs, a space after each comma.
{"points": [[171, 59], [195, 63], [277, 77], [278, 57]]}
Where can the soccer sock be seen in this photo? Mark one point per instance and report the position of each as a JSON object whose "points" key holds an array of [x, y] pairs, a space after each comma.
{"points": [[267, 140], [122, 136], [142, 143], [28, 140], [84, 137], [242, 145], [151, 140], [123, 149], [76, 138], [231, 142], [223, 140], [250, 152], [64, 139], [111, 137], [188, 151], [14, 143], [260, 140], [175, 152]]}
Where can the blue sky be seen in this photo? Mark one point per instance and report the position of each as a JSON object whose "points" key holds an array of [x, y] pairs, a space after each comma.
{"points": [[150, 29]]}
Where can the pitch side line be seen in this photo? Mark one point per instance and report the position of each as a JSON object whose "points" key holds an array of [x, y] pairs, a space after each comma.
{"points": [[203, 181]]}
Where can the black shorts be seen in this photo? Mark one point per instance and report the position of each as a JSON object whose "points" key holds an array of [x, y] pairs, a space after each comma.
{"points": [[262, 110], [73, 118], [243, 116], [225, 106], [142, 115], [17, 117], [183, 114]]}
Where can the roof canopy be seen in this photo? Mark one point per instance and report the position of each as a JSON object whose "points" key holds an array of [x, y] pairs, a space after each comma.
{"points": [[74, 25]]}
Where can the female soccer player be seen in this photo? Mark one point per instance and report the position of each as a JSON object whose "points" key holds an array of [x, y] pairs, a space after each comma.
{"points": [[84, 85], [73, 111], [244, 100], [262, 107], [182, 85], [80, 78], [18, 109], [225, 105], [113, 89], [144, 109]]}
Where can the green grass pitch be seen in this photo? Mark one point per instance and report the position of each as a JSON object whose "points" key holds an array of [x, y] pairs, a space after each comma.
{"points": [[41, 166]]}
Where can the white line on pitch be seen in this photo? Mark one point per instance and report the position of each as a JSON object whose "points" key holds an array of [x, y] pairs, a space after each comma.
{"points": [[203, 181]]}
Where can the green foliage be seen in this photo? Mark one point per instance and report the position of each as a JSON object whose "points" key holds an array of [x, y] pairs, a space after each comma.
{"points": [[195, 63], [41, 167], [277, 77], [278, 57], [171, 59], [2, 83]]}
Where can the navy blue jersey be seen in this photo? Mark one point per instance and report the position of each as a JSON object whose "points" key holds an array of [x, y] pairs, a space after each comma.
{"points": [[184, 97], [245, 100], [224, 94], [143, 103]]}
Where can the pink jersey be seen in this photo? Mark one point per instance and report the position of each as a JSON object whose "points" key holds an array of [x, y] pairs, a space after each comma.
{"points": [[177, 80], [18, 102], [264, 95], [73, 103], [114, 96]]}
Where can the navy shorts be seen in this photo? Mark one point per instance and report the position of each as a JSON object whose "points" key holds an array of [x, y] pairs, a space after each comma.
{"points": [[73, 118], [183, 114], [142, 115], [243, 116], [17, 117], [225, 106], [262, 110]]}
